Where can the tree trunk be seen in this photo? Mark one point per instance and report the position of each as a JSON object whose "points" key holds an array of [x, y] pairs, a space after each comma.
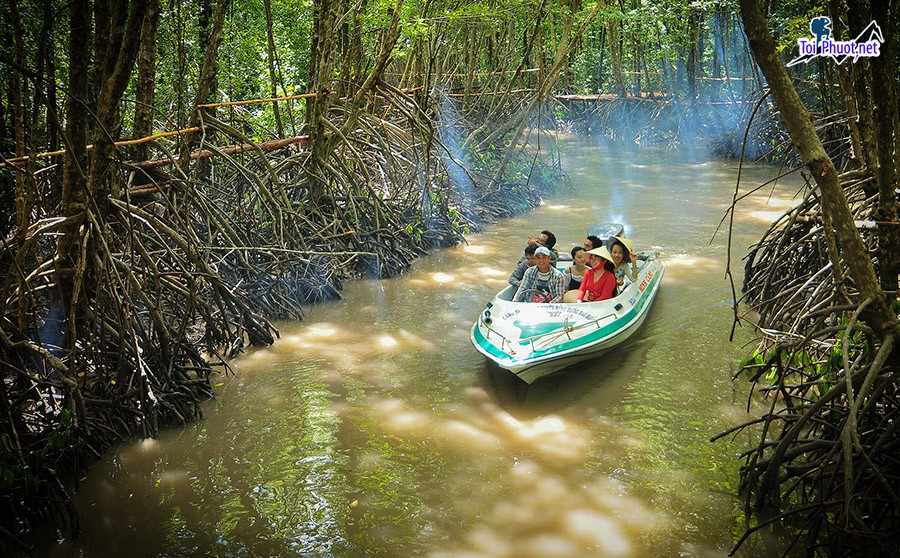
{"points": [[886, 129], [22, 192], [273, 61], [693, 63], [146, 81], [323, 54], [615, 55], [48, 45], [74, 177], [117, 63], [861, 80], [530, 40], [23, 205], [181, 73], [834, 8], [77, 252], [351, 54], [74, 186], [803, 133], [206, 85]]}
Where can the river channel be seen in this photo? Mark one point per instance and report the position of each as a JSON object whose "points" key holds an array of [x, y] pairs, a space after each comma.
{"points": [[373, 428]]}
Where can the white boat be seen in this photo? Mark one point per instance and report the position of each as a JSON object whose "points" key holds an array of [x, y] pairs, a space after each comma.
{"points": [[532, 340]]}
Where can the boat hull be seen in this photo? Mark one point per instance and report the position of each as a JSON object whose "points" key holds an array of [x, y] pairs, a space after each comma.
{"points": [[535, 340]]}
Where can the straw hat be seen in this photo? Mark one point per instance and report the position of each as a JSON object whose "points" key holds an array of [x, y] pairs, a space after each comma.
{"points": [[602, 252], [626, 241]]}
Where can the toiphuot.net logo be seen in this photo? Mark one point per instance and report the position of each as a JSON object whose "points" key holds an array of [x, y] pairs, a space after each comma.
{"points": [[866, 44]]}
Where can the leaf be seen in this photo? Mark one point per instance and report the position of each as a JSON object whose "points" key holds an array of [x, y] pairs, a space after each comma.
{"points": [[6, 441]]}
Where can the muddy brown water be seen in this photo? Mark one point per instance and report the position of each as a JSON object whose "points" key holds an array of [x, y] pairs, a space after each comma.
{"points": [[373, 427]]}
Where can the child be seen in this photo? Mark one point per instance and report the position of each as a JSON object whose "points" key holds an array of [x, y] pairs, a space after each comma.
{"points": [[527, 261]]}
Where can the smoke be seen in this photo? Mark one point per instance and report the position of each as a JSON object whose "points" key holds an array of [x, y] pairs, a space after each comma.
{"points": [[452, 129], [709, 91]]}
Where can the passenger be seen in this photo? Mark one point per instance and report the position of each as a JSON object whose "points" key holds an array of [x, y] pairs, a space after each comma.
{"points": [[524, 263], [599, 282], [592, 242], [541, 282], [548, 240], [575, 272], [620, 248]]}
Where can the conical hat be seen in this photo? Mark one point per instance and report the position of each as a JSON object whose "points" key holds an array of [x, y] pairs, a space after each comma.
{"points": [[626, 241], [602, 252]]}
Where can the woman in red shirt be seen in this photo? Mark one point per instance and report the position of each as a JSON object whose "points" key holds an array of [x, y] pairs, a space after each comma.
{"points": [[599, 282]]}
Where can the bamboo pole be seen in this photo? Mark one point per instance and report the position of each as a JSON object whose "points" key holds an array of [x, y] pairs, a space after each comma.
{"points": [[21, 161], [256, 101], [229, 150]]}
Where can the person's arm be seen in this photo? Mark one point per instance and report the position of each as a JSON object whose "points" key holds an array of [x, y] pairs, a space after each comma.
{"points": [[516, 277], [524, 285], [627, 276], [557, 287], [586, 281]]}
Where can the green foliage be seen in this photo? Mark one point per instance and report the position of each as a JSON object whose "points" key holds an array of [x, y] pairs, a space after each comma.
{"points": [[416, 230], [477, 13], [755, 358]]}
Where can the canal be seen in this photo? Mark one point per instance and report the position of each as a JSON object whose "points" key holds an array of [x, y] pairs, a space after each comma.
{"points": [[373, 428]]}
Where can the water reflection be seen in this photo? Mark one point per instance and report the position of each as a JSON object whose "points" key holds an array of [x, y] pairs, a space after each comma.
{"points": [[374, 428]]}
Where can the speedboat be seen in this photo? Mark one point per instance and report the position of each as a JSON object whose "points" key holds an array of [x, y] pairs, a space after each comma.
{"points": [[533, 340]]}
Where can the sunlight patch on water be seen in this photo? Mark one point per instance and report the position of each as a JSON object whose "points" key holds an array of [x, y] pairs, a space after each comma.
{"points": [[681, 267], [386, 342], [445, 280], [175, 478], [477, 249], [765, 209], [259, 357], [321, 330], [680, 264], [595, 519], [595, 530], [549, 438], [467, 436], [782, 202], [344, 351], [492, 272], [149, 445], [415, 341], [765, 216]]}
